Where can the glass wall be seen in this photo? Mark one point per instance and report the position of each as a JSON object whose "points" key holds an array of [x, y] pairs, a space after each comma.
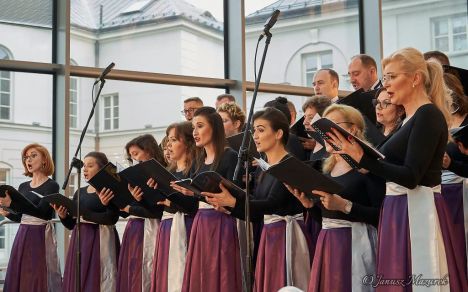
{"points": [[436, 25], [308, 36], [175, 37]]}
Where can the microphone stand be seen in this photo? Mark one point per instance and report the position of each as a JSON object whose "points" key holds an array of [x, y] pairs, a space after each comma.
{"points": [[78, 164], [243, 157]]}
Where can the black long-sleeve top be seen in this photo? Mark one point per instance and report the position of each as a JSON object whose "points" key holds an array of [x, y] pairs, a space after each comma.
{"points": [[43, 210], [366, 191], [270, 197], [225, 168], [413, 155], [93, 210]]}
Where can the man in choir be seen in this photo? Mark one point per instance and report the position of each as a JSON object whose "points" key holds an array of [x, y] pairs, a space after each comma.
{"points": [[191, 104], [362, 71], [437, 55], [326, 82], [224, 98]]}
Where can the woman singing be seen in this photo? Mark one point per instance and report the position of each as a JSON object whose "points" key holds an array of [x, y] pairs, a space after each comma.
{"points": [[414, 236], [99, 241], [33, 264]]}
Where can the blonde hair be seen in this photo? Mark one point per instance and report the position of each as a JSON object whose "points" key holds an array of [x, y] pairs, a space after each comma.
{"points": [[412, 61], [48, 166], [350, 115], [234, 112]]}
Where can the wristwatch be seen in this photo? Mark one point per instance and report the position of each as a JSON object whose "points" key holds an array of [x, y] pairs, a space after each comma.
{"points": [[348, 206]]}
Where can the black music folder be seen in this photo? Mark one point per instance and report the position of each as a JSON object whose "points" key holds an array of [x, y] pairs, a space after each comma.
{"points": [[107, 177], [324, 125], [300, 176], [299, 129], [235, 142], [23, 203], [460, 134], [63, 201], [208, 181], [139, 174]]}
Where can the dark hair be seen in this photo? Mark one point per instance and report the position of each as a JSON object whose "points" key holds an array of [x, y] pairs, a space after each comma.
{"points": [[184, 133], [333, 74], [276, 119], [318, 102], [459, 98], [366, 60], [230, 97], [401, 113], [148, 144], [101, 158], [218, 136], [195, 99], [438, 55], [280, 103]]}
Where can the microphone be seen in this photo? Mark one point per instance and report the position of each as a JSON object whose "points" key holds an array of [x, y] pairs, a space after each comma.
{"points": [[270, 22], [105, 72]]}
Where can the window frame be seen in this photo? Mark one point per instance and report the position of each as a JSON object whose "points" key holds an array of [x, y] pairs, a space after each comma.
{"points": [[450, 35]]}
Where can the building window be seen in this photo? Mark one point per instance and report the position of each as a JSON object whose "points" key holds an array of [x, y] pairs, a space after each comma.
{"points": [[5, 89], [314, 62], [450, 33], [111, 112], [73, 102]]}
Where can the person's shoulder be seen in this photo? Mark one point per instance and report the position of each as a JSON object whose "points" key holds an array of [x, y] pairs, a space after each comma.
{"points": [[229, 153], [430, 113], [52, 184]]}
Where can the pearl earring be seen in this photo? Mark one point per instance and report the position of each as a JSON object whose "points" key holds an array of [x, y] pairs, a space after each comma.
{"points": [[413, 85]]}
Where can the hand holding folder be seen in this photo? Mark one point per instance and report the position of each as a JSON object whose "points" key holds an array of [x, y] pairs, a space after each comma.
{"points": [[324, 126], [298, 175], [24, 205], [107, 177]]}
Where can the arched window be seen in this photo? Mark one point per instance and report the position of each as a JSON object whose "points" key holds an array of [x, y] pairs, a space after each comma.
{"points": [[5, 88]]}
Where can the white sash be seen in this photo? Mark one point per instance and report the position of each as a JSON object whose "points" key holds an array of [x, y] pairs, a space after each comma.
{"points": [[363, 250], [177, 251], [151, 228], [297, 251], [428, 257], [108, 258]]}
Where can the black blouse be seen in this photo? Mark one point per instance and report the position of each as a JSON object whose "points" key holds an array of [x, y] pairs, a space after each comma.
{"points": [[93, 210], [43, 210], [366, 191], [270, 197], [413, 155]]}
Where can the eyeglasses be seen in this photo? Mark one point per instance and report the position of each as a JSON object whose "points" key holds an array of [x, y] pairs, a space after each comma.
{"points": [[381, 104], [32, 156], [339, 123], [188, 111], [391, 76]]}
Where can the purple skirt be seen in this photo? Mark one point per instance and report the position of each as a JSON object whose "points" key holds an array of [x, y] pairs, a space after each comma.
{"points": [[331, 269], [270, 268], [131, 256], [213, 257], [453, 197], [161, 256], [313, 229], [90, 259], [27, 268], [394, 246]]}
